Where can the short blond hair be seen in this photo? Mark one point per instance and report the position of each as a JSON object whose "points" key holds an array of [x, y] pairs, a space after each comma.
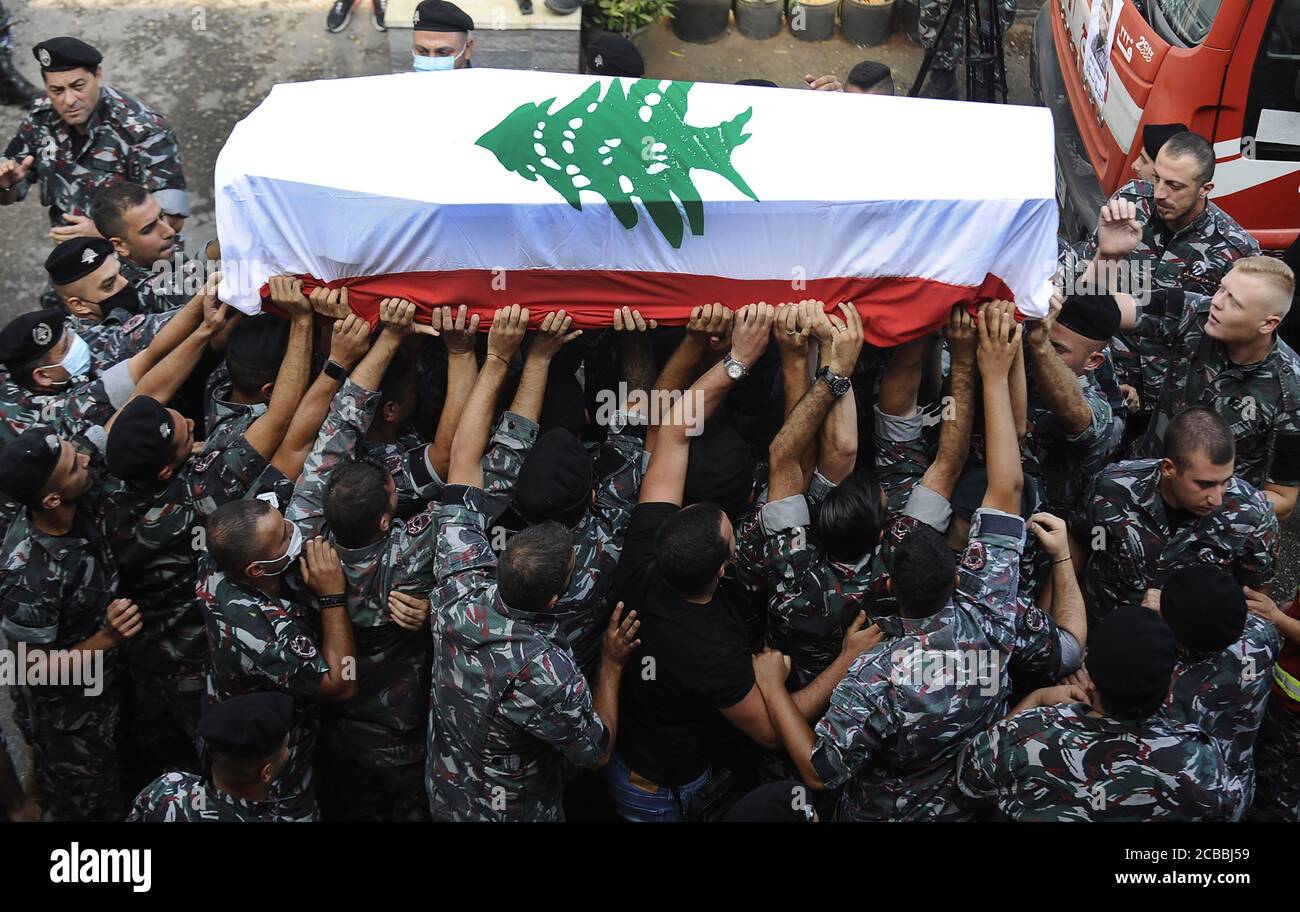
{"points": [[1274, 269]]}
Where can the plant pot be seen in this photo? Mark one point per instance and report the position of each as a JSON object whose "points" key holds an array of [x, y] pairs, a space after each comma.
{"points": [[908, 13], [758, 18], [812, 21], [701, 21], [867, 24]]}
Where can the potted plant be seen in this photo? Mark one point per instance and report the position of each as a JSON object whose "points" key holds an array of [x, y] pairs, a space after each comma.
{"points": [[701, 21], [758, 18], [628, 18], [867, 22], [813, 20]]}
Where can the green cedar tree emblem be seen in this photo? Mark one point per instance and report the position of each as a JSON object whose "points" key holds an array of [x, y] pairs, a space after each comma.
{"points": [[626, 147]]}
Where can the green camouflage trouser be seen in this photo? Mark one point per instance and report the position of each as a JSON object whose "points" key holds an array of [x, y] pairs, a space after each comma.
{"points": [[948, 55], [1277, 764]]}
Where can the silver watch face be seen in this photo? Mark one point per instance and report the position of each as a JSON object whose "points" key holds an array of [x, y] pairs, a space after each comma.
{"points": [[735, 370]]}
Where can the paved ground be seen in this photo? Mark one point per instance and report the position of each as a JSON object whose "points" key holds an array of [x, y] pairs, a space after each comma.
{"points": [[204, 66]]}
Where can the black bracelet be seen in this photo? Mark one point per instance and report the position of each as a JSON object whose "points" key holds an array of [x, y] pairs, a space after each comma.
{"points": [[335, 370], [333, 601]]}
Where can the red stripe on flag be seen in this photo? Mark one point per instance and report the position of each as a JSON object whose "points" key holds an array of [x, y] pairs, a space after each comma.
{"points": [[895, 309]]}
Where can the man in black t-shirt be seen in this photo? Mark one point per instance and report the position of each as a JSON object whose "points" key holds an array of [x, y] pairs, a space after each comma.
{"points": [[695, 661]]}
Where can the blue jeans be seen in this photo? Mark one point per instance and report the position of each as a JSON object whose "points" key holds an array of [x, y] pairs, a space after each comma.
{"points": [[637, 805]]}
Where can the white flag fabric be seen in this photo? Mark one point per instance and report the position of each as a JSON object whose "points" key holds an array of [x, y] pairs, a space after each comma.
{"points": [[492, 187]]}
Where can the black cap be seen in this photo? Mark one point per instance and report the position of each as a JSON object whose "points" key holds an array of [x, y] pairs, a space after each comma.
{"points": [[556, 478], [1154, 136], [441, 16], [58, 55], [77, 258], [249, 727], [719, 468], [1093, 316], [1131, 657], [27, 462], [614, 55], [258, 343], [760, 83], [1204, 607], [140, 442], [29, 335]]}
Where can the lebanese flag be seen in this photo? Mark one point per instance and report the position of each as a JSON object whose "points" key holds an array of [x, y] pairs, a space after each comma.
{"points": [[495, 187]]}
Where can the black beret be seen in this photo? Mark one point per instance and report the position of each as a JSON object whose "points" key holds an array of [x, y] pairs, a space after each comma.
{"points": [[1154, 136], [31, 334], [27, 462], [1131, 656], [77, 258], [760, 83], [1093, 316], [556, 478], [140, 442], [250, 727], [719, 468], [614, 55], [1204, 607], [441, 16], [57, 55], [258, 343]]}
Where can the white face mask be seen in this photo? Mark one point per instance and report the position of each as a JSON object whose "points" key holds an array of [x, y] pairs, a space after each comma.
{"points": [[284, 561], [425, 64], [76, 361]]}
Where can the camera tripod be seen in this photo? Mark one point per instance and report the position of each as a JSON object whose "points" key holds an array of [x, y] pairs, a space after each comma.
{"points": [[982, 50]]}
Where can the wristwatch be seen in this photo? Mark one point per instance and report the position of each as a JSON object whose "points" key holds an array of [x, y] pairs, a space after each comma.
{"points": [[736, 370], [839, 385], [335, 371]]}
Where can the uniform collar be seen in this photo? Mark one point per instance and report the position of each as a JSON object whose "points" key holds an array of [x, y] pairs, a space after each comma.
{"points": [[895, 625], [543, 620]]}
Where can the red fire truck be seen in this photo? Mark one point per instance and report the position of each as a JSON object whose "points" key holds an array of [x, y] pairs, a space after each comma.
{"points": [[1229, 69]]}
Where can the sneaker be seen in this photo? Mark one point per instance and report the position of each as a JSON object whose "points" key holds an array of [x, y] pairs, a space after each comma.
{"points": [[941, 84], [380, 7], [340, 15], [564, 7]]}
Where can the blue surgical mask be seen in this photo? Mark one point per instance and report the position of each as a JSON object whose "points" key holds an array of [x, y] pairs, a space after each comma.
{"points": [[284, 561], [435, 64], [77, 361]]}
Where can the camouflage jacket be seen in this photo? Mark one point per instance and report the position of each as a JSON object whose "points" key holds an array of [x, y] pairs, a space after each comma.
{"points": [[1226, 693], [898, 719], [179, 797], [119, 336], [584, 608], [157, 534], [123, 141], [1058, 763], [1196, 258], [1065, 462], [509, 705], [1125, 523], [55, 589], [171, 286], [405, 458], [84, 403], [224, 419], [259, 643], [1261, 402]]}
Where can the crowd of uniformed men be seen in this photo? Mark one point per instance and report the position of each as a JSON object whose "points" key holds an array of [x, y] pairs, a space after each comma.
{"points": [[294, 566]]}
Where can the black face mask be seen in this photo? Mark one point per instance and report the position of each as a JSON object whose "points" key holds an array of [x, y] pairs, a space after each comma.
{"points": [[127, 299]]}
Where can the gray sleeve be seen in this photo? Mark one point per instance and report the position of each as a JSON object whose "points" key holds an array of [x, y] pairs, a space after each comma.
{"points": [[118, 384], [1071, 654], [898, 430], [929, 507]]}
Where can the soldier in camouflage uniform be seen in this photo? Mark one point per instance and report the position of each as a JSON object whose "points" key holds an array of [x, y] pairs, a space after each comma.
{"points": [[248, 738], [1057, 758], [58, 584], [1072, 429], [272, 629], [510, 711], [1277, 750], [1143, 519], [84, 136], [1224, 669], [1177, 238], [942, 82], [898, 719], [153, 256], [1257, 393]]}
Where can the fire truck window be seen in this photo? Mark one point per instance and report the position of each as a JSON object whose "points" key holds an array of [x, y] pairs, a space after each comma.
{"points": [[1190, 20], [1275, 85]]}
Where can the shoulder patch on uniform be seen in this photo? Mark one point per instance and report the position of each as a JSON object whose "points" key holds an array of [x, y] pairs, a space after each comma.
{"points": [[1035, 620], [204, 460], [133, 322], [418, 523], [302, 647], [975, 557], [394, 463]]}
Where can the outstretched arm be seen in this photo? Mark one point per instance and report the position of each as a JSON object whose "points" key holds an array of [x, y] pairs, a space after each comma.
{"points": [[462, 370], [999, 341], [504, 338], [267, 432]]}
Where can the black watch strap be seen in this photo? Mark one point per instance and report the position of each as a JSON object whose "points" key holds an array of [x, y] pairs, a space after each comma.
{"points": [[336, 371]]}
